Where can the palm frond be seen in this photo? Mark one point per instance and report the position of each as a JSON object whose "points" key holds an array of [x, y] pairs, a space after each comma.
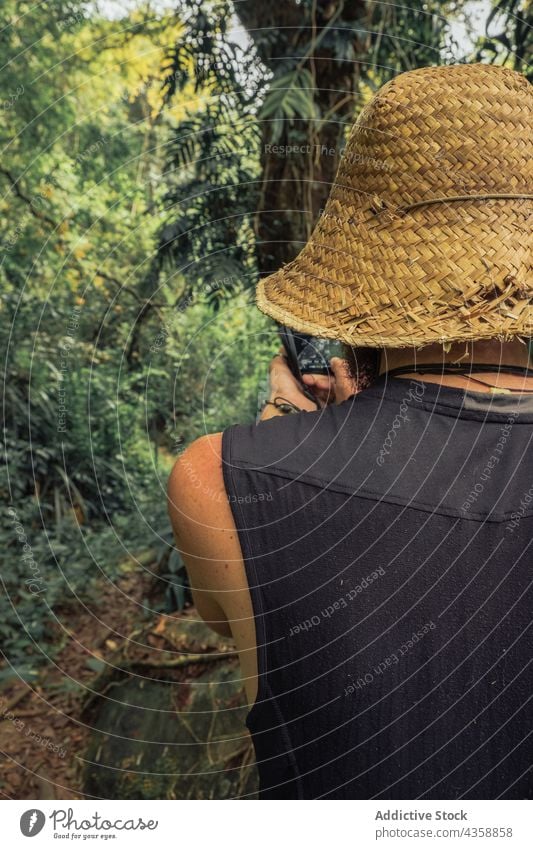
{"points": [[290, 97]]}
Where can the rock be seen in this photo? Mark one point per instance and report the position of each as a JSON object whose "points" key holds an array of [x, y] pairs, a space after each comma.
{"points": [[178, 735]]}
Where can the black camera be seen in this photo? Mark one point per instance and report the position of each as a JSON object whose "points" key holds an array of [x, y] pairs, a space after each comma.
{"points": [[308, 354]]}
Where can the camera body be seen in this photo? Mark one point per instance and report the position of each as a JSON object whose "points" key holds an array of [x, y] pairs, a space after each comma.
{"points": [[308, 354]]}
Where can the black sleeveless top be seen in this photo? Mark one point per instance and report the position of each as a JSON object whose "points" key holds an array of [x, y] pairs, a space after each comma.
{"points": [[387, 543]]}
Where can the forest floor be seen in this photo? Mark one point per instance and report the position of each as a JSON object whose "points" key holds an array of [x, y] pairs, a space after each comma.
{"points": [[36, 719], [46, 728]]}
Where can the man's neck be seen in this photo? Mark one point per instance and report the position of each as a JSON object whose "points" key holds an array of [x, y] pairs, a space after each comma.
{"points": [[470, 354]]}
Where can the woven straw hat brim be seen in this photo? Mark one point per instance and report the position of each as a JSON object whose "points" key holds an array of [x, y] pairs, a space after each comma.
{"points": [[373, 275], [465, 274]]}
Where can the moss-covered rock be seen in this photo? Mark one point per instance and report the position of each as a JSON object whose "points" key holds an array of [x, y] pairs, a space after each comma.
{"points": [[173, 739]]}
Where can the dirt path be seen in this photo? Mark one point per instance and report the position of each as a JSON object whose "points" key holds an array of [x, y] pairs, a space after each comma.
{"points": [[41, 730], [153, 678]]}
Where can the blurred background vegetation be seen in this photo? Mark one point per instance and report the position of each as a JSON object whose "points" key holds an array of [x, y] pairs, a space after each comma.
{"points": [[140, 200]]}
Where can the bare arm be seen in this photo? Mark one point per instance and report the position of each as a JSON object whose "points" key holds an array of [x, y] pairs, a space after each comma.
{"points": [[203, 527]]}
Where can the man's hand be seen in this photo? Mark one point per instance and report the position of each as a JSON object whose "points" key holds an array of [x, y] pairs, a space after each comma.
{"points": [[283, 384], [327, 389], [332, 388]]}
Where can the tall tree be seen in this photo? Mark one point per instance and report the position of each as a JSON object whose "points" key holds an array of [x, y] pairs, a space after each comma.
{"points": [[299, 78]]}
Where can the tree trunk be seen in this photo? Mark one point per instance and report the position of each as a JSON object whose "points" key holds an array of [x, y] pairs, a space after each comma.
{"points": [[296, 185]]}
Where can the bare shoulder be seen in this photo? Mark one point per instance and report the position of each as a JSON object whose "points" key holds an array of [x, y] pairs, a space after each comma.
{"points": [[197, 473], [201, 515]]}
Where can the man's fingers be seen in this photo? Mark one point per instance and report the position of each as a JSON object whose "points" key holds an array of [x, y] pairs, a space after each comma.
{"points": [[318, 381], [279, 362], [344, 382]]}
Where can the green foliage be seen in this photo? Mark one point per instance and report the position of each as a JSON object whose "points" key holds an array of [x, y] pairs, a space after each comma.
{"points": [[289, 96], [212, 159], [71, 566], [508, 37], [83, 457], [78, 211], [211, 366]]}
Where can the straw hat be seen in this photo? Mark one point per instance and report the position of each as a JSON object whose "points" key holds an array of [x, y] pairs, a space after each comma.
{"points": [[426, 235]]}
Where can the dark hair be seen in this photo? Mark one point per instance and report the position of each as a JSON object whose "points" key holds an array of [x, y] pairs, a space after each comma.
{"points": [[363, 364]]}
